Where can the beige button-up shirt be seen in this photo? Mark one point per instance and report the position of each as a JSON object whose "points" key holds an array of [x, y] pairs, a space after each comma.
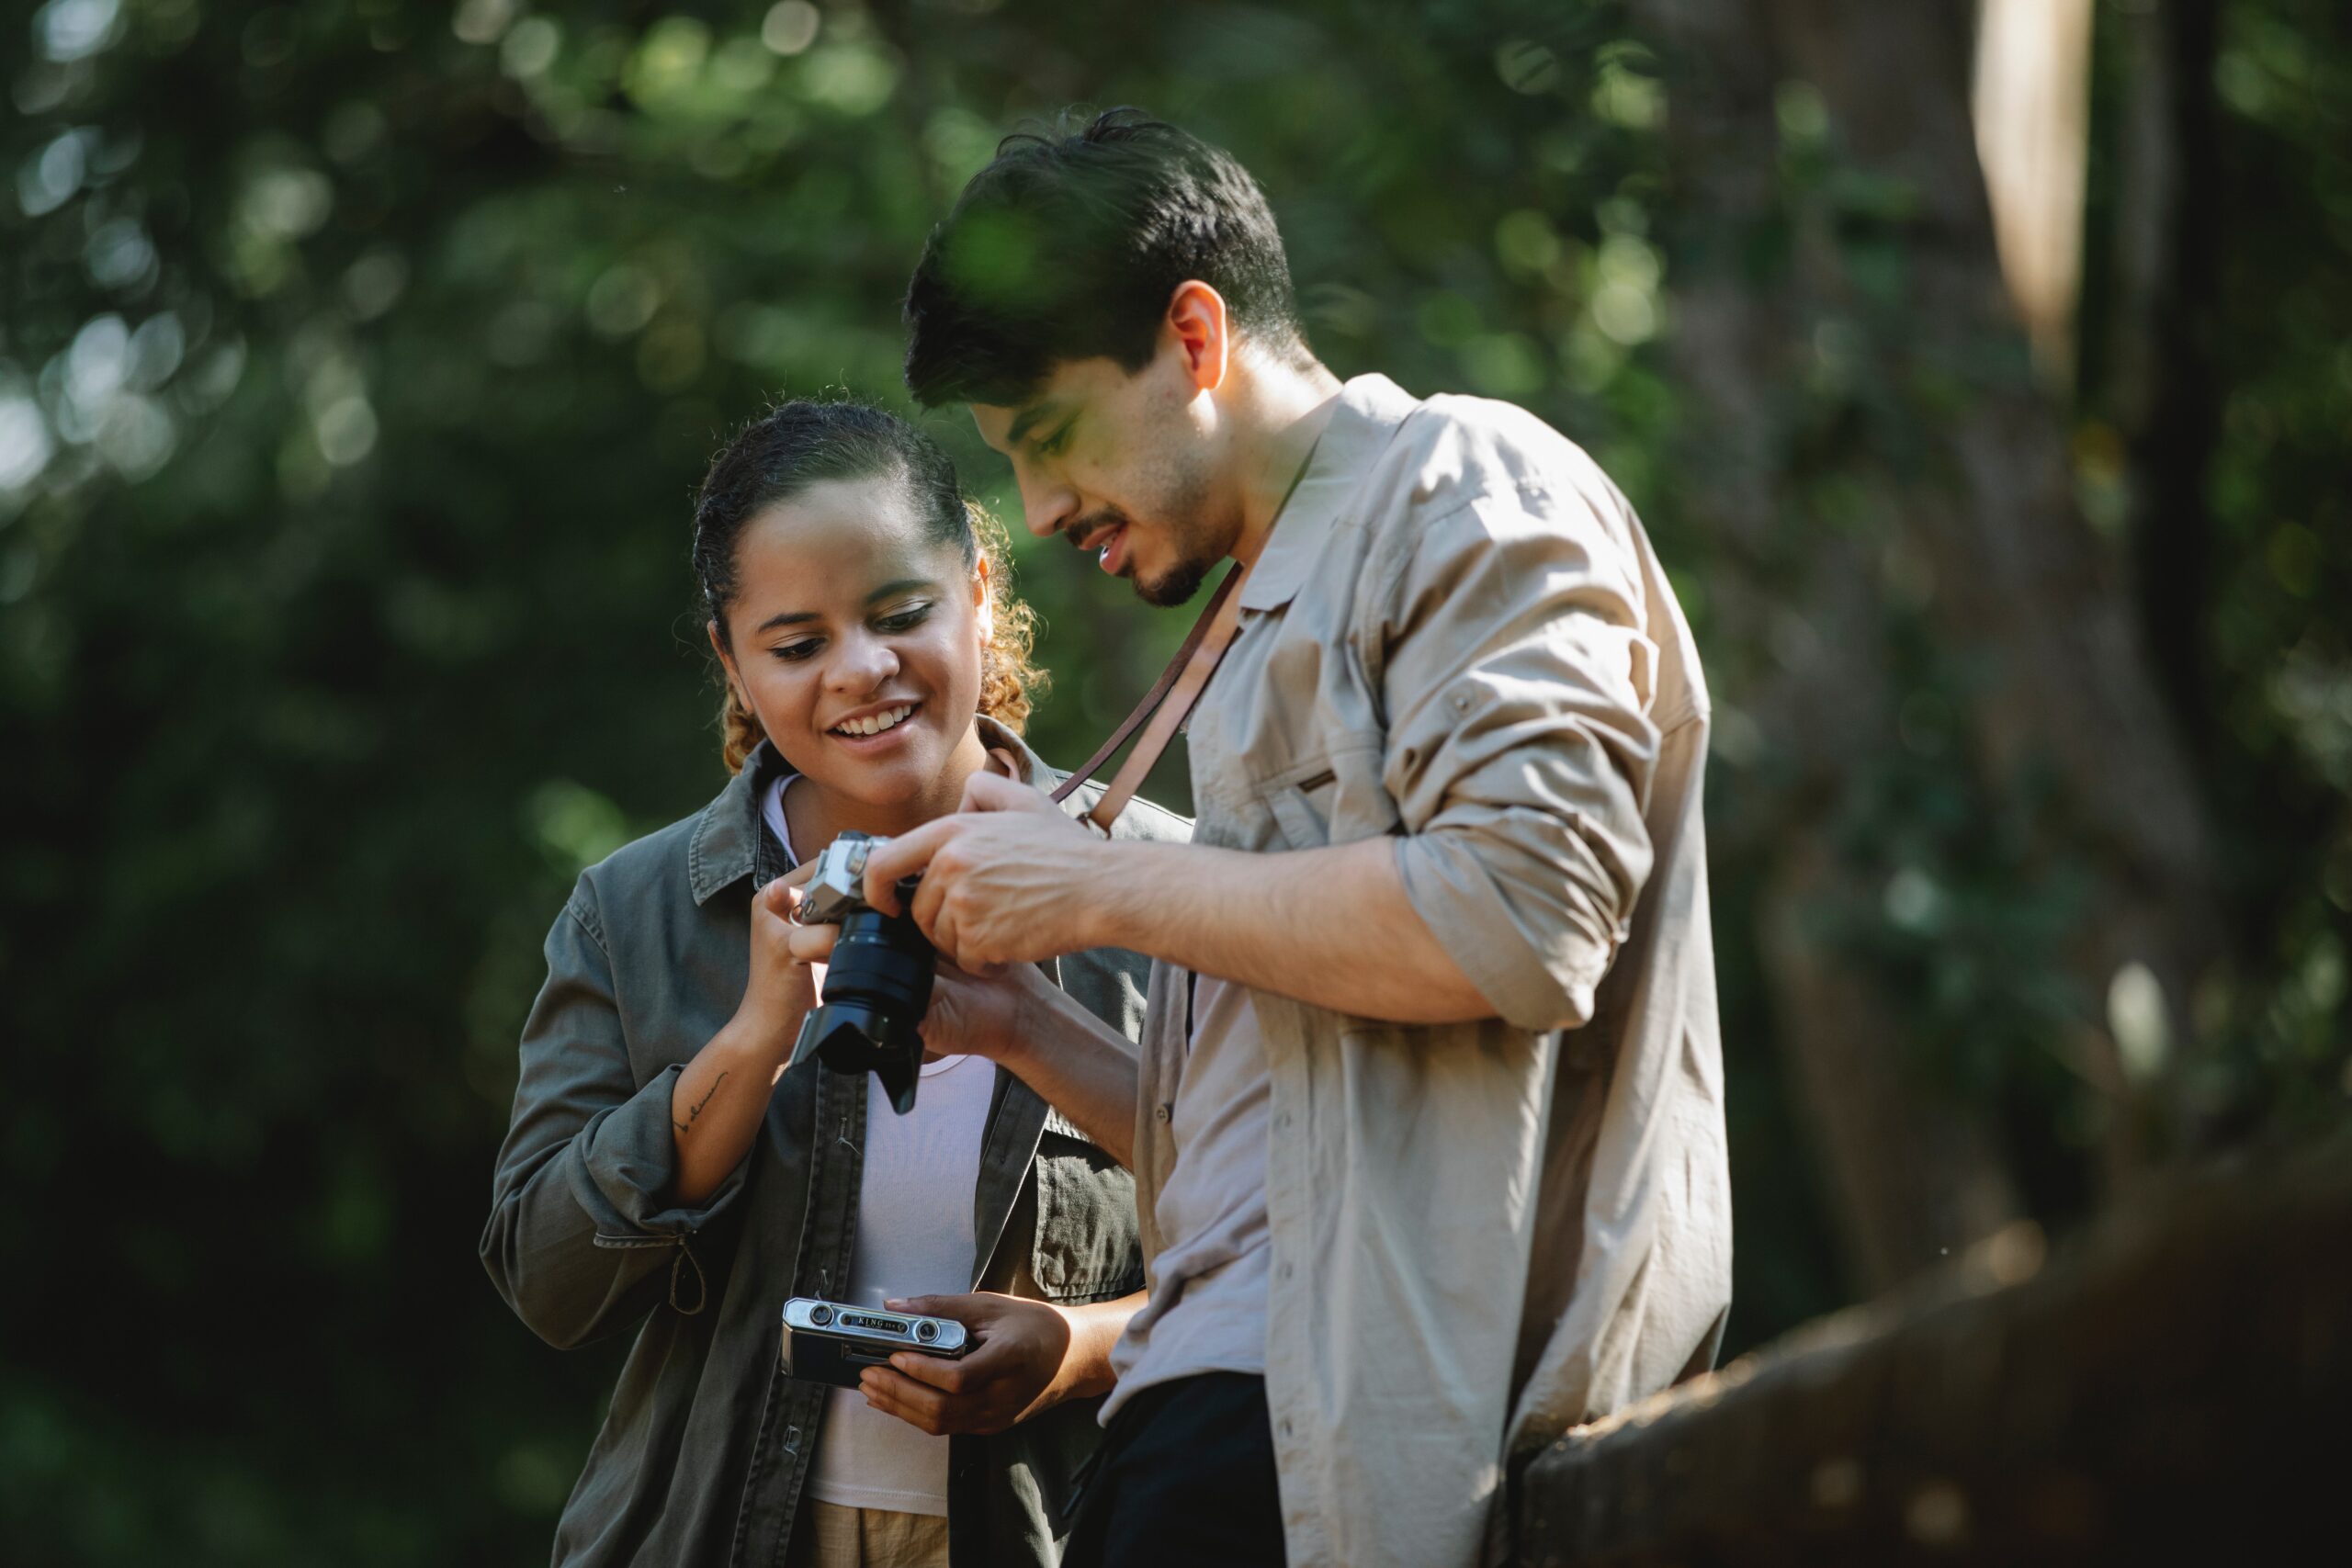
{"points": [[1458, 637]]}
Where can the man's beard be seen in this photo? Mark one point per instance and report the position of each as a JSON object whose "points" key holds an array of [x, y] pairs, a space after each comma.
{"points": [[1175, 585]]}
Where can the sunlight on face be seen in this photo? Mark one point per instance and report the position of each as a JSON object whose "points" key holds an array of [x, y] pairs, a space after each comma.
{"points": [[1120, 466], [855, 636]]}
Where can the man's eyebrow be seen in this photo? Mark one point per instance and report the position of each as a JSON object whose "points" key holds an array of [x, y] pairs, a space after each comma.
{"points": [[1028, 419]]}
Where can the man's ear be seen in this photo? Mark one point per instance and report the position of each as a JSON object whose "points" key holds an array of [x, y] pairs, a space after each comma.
{"points": [[1196, 322]]}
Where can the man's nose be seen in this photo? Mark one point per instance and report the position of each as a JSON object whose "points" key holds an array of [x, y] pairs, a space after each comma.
{"points": [[1046, 506]]}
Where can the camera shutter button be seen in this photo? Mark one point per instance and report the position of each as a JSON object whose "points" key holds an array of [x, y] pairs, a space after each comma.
{"points": [[821, 1315], [926, 1331]]}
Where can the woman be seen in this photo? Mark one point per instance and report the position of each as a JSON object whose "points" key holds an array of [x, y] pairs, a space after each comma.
{"points": [[662, 1168]]}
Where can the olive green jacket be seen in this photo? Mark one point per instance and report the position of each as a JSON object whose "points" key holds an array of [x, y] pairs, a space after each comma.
{"points": [[705, 1452]]}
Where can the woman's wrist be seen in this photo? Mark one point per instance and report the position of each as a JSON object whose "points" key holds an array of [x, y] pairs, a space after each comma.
{"points": [[759, 1035]]}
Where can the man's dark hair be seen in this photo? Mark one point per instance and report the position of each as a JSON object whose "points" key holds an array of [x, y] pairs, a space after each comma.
{"points": [[1069, 246]]}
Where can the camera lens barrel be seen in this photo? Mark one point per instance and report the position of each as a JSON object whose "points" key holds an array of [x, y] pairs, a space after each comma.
{"points": [[877, 988]]}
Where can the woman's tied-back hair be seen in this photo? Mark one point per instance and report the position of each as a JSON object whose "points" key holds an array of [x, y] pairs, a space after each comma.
{"points": [[800, 444]]}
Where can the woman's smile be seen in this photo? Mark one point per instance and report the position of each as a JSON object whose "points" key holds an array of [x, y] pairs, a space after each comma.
{"points": [[872, 727]]}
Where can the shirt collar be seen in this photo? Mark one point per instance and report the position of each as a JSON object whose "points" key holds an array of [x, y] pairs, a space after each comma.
{"points": [[1370, 410], [724, 845]]}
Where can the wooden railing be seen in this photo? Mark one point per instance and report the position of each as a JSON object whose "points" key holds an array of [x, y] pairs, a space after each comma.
{"points": [[2172, 1388]]}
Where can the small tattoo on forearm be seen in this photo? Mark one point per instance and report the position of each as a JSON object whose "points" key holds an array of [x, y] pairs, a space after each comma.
{"points": [[695, 1111]]}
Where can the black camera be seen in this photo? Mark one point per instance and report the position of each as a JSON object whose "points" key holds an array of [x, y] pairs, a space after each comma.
{"points": [[877, 983]]}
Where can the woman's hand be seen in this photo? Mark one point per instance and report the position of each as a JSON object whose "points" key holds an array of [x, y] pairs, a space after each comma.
{"points": [[787, 964], [1028, 1356], [721, 1097]]}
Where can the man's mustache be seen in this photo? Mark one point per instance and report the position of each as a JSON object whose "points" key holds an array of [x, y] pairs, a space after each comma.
{"points": [[1109, 517]]}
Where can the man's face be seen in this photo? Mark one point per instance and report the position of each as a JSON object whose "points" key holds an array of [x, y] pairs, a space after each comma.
{"points": [[1125, 466]]}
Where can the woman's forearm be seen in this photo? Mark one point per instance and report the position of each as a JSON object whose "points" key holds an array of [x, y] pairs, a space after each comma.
{"points": [[1086, 1366], [720, 1101]]}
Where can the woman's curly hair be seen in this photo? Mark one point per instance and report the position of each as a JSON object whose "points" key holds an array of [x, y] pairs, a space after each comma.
{"points": [[803, 443]]}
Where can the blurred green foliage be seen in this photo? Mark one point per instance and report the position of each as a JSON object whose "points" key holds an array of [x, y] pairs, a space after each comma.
{"points": [[357, 361]]}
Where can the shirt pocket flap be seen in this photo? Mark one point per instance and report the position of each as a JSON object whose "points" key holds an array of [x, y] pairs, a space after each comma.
{"points": [[1336, 799]]}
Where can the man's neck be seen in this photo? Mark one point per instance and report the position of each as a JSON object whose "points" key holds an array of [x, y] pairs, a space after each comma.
{"points": [[1283, 414]]}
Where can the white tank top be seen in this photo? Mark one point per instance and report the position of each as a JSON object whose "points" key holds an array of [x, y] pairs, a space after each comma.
{"points": [[915, 1237]]}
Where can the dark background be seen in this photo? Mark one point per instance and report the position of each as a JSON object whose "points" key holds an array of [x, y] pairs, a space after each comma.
{"points": [[358, 361]]}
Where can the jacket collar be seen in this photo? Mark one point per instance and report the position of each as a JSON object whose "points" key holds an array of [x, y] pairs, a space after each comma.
{"points": [[724, 848], [1370, 410]]}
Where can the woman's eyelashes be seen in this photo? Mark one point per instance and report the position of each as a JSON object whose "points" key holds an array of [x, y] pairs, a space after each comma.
{"points": [[895, 623]]}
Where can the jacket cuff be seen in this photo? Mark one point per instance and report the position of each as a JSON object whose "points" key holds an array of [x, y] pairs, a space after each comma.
{"points": [[627, 1169]]}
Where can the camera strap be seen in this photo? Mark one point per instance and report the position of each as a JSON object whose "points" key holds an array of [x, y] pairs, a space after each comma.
{"points": [[1167, 706]]}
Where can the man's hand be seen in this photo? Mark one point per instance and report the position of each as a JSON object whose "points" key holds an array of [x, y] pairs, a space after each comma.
{"points": [[1008, 879], [1014, 1371], [984, 1015]]}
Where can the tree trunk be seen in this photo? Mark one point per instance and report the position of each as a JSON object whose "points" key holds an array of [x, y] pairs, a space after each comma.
{"points": [[1872, 360]]}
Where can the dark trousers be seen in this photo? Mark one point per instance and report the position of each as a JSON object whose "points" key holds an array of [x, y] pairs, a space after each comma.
{"points": [[1185, 1478]]}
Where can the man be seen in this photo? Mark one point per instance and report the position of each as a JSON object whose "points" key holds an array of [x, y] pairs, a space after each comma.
{"points": [[1429, 1133]]}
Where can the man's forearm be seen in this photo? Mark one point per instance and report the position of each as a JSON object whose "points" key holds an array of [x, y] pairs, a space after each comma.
{"points": [[1330, 927], [1080, 1065]]}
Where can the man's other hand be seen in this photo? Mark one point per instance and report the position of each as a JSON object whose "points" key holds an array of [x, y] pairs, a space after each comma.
{"points": [[1007, 879]]}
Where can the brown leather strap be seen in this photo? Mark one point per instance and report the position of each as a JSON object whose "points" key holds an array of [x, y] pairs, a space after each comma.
{"points": [[1169, 703]]}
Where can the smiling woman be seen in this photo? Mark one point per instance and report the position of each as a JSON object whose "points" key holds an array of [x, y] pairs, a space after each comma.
{"points": [[664, 1168], [815, 490]]}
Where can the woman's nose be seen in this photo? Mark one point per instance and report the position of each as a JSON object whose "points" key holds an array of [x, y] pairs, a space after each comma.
{"points": [[863, 663]]}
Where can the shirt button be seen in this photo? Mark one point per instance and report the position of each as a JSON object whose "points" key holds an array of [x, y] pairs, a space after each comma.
{"points": [[1161, 1111], [1285, 1271], [1285, 1428], [1282, 1122]]}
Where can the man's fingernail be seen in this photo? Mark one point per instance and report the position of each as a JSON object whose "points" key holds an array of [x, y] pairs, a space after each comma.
{"points": [[895, 1304]]}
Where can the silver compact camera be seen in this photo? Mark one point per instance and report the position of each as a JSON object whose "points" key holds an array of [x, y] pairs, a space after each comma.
{"points": [[828, 1342], [877, 983]]}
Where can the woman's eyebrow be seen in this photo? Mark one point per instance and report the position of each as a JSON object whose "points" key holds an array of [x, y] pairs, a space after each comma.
{"points": [[787, 618], [900, 586]]}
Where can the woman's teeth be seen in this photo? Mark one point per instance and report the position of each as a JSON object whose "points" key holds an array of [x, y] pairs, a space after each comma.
{"points": [[875, 724]]}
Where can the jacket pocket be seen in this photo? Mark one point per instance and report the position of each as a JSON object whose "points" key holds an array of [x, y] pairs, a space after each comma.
{"points": [[1088, 1245]]}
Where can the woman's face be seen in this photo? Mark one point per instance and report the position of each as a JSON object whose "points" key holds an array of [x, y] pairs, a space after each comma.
{"points": [[855, 637]]}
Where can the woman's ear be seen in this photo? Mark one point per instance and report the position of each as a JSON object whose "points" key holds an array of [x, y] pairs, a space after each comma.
{"points": [[726, 662], [984, 600]]}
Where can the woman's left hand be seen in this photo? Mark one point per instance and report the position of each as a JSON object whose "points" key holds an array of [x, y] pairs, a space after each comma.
{"points": [[1021, 1363]]}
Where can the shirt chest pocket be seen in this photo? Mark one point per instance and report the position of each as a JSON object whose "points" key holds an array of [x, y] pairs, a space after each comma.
{"points": [[1335, 799]]}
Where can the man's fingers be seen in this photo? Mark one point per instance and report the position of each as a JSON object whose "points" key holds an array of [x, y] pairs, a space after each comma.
{"points": [[905, 855], [985, 791]]}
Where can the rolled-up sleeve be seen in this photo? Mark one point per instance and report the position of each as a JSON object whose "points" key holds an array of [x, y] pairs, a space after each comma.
{"points": [[584, 1236], [1516, 675]]}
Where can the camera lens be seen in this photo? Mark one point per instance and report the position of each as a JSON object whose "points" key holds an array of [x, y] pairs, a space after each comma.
{"points": [[877, 986], [926, 1331]]}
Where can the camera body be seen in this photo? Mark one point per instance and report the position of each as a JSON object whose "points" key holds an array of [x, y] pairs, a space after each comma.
{"points": [[877, 983], [832, 1343]]}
